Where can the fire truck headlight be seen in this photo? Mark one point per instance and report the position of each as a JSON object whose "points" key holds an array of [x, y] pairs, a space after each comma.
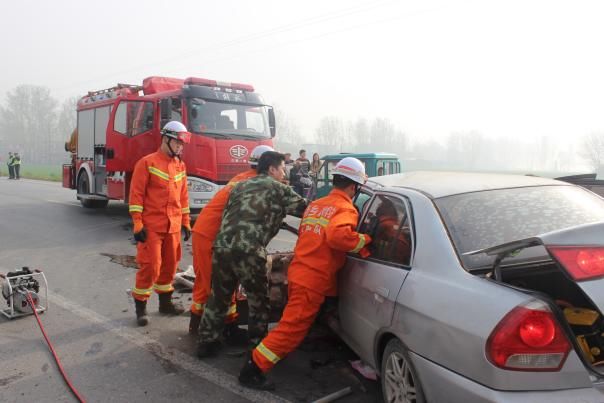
{"points": [[197, 185]]}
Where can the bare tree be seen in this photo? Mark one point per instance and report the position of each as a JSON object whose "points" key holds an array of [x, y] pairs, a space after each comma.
{"points": [[360, 133], [593, 150], [331, 132], [28, 122], [288, 132], [67, 117], [464, 149]]}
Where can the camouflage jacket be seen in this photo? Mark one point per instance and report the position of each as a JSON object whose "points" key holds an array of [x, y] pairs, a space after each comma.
{"points": [[254, 213]]}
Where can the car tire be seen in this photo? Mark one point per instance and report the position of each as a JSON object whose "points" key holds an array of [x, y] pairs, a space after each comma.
{"points": [[400, 382]]}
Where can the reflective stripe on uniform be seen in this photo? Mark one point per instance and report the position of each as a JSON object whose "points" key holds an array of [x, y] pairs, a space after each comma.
{"points": [[135, 208], [160, 173], [360, 244], [232, 184], [179, 176], [323, 222], [142, 291], [268, 354], [199, 307], [165, 287], [185, 210], [232, 309]]}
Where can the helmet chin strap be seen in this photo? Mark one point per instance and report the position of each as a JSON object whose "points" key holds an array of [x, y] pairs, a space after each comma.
{"points": [[173, 154], [357, 189]]}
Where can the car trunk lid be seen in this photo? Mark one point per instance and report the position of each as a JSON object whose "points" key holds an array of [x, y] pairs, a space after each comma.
{"points": [[572, 280], [578, 250]]}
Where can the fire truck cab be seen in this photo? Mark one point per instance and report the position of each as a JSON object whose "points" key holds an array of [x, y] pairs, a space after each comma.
{"points": [[118, 126]]}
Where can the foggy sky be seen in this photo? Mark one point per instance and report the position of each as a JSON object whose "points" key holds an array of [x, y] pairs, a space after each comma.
{"points": [[516, 69]]}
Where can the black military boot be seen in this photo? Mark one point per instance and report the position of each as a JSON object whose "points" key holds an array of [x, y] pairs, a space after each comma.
{"points": [[252, 377], [194, 323], [208, 349], [141, 312], [234, 335], [167, 306]]}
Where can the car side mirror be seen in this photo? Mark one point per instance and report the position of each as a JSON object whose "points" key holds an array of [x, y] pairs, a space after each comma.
{"points": [[271, 121]]}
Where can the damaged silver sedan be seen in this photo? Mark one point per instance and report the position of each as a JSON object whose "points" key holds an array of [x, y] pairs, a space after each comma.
{"points": [[480, 288]]}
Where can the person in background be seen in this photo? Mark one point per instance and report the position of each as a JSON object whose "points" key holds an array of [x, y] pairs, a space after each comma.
{"points": [[295, 174], [304, 162], [11, 169], [315, 167], [17, 166], [288, 159], [289, 164]]}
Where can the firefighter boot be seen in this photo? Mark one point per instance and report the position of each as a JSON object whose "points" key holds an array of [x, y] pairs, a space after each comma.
{"points": [[252, 377], [208, 348], [167, 306], [234, 335], [194, 323], [141, 312]]}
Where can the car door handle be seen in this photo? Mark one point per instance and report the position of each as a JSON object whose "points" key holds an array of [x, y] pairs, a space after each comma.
{"points": [[380, 293]]}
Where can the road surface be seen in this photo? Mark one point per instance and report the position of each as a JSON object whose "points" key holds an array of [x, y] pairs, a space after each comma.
{"points": [[87, 256]]}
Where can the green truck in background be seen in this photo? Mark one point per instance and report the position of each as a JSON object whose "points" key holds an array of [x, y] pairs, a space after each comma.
{"points": [[376, 164]]}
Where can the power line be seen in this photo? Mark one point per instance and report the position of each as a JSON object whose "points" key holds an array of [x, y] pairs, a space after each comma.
{"points": [[246, 38]]}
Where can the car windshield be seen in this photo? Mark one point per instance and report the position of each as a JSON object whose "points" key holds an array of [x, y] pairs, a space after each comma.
{"points": [[227, 120], [484, 219]]}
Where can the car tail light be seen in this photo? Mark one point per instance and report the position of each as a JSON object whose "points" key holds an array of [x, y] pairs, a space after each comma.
{"points": [[528, 339], [582, 263]]}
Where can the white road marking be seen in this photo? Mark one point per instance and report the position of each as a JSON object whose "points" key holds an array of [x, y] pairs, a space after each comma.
{"points": [[174, 356]]}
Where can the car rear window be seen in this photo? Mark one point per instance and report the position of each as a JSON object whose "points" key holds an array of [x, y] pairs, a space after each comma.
{"points": [[484, 219]]}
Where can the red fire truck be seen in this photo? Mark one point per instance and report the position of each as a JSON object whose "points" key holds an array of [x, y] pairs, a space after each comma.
{"points": [[117, 126]]}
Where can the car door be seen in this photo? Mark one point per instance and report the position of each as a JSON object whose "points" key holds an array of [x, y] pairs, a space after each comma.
{"points": [[368, 287]]}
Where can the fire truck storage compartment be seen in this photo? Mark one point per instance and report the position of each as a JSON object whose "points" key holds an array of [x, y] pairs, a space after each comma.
{"points": [[68, 176], [86, 134], [583, 317], [92, 137]]}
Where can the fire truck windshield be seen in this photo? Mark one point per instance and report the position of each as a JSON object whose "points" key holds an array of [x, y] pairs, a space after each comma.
{"points": [[227, 120]]}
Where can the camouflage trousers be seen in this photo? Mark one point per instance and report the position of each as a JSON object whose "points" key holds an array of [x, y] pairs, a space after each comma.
{"points": [[230, 267]]}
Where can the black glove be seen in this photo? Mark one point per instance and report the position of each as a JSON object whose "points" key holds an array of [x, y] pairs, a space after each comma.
{"points": [[187, 232], [141, 236]]}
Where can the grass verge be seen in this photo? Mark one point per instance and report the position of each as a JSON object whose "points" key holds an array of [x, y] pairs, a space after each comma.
{"points": [[41, 172]]}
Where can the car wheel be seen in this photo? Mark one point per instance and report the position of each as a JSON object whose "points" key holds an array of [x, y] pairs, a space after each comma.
{"points": [[400, 382]]}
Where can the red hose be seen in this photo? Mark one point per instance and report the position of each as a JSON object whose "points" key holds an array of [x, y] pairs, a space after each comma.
{"points": [[52, 350]]}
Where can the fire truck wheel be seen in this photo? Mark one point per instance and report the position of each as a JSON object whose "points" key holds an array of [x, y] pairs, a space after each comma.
{"points": [[84, 188]]}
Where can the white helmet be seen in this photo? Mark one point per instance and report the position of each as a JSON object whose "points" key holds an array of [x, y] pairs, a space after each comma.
{"points": [[257, 153], [177, 131], [351, 168]]}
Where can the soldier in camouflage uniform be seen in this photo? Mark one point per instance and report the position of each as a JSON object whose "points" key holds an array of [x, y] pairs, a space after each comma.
{"points": [[252, 217]]}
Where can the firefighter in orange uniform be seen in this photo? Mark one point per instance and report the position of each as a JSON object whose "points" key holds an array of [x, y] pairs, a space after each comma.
{"points": [[204, 233], [159, 206], [326, 234]]}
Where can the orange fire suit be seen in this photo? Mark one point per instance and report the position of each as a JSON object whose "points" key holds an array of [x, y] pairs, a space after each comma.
{"points": [[158, 200], [326, 234], [204, 233]]}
